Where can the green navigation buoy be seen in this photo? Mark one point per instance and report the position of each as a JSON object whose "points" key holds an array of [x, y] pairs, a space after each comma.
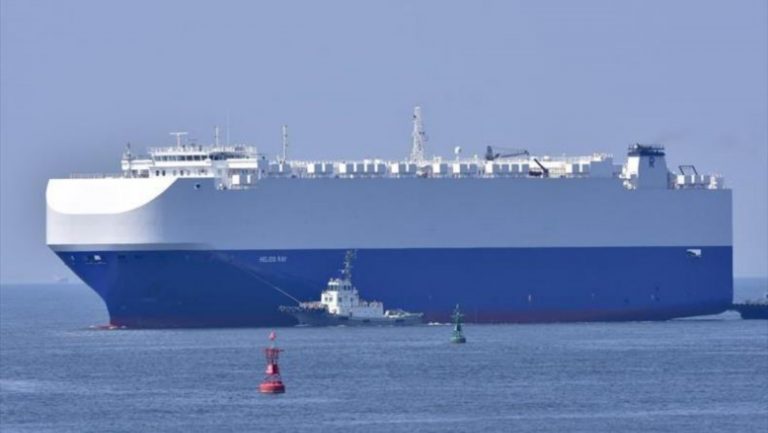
{"points": [[457, 336]]}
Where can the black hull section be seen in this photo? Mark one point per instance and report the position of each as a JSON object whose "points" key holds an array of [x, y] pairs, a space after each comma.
{"points": [[752, 311]]}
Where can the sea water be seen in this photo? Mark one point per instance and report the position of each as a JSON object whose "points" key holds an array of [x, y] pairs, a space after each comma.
{"points": [[58, 374]]}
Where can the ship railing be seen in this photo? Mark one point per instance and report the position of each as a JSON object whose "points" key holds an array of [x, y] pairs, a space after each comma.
{"points": [[699, 181], [299, 169], [201, 149], [177, 149], [232, 187], [757, 302], [301, 173], [96, 175]]}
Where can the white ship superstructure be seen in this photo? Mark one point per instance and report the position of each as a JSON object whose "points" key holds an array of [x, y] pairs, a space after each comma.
{"points": [[342, 298]]}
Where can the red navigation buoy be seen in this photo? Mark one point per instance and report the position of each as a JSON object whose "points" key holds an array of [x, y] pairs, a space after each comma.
{"points": [[273, 383]]}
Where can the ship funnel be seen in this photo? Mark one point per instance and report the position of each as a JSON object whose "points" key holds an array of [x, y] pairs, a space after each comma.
{"points": [[647, 167]]}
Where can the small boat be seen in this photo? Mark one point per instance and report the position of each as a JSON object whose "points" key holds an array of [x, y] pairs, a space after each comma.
{"points": [[752, 310], [340, 304]]}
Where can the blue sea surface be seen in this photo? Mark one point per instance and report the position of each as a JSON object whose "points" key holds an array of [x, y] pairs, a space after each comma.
{"points": [[58, 374]]}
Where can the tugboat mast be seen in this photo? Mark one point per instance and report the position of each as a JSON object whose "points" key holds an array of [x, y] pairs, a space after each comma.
{"points": [[349, 256]]}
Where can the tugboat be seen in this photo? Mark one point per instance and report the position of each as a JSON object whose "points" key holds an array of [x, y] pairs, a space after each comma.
{"points": [[340, 304], [751, 310]]}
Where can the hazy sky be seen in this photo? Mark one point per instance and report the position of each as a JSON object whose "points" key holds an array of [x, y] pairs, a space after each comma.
{"points": [[79, 79]]}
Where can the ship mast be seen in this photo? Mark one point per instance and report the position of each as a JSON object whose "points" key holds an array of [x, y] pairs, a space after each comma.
{"points": [[128, 156], [285, 143], [418, 137], [178, 136]]}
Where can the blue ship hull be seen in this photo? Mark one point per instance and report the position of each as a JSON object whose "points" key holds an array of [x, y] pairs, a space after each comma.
{"points": [[245, 288]]}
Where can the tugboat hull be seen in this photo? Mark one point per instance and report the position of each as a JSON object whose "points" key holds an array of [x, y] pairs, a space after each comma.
{"points": [[319, 317]]}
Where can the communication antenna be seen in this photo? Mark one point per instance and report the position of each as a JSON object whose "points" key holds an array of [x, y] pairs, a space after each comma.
{"points": [[178, 137], [285, 142], [227, 127], [128, 157], [418, 136]]}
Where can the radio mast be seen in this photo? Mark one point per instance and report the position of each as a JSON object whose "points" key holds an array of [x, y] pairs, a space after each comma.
{"points": [[418, 136], [285, 142]]}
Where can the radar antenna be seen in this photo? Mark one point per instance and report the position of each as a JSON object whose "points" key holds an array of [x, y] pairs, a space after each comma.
{"points": [[178, 135], [418, 136]]}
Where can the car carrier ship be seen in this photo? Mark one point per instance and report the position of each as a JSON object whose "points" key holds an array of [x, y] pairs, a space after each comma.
{"points": [[220, 235]]}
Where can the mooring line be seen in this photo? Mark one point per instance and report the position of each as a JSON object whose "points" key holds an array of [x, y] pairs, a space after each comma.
{"points": [[253, 273]]}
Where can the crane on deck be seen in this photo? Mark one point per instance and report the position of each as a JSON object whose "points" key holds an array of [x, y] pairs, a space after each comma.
{"points": [[491, 155]]}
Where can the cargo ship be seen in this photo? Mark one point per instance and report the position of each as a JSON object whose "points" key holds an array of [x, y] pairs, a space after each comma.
{"points": [[220, 235]]}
